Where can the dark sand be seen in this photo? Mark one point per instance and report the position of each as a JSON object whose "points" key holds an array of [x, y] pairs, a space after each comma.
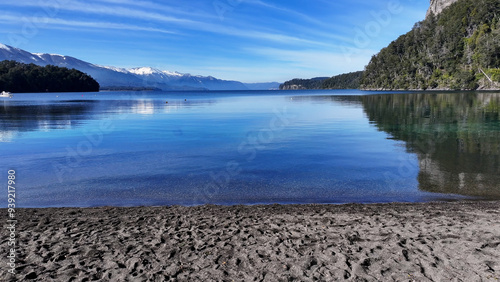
{"points": [[389, 242]]}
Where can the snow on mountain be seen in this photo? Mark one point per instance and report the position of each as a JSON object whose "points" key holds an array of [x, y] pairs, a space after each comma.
{"points": [[173, 73], [2, 46], [111, 76], [152, 76], [122, 70], [153, 71], [155, 75], [105, 77]]}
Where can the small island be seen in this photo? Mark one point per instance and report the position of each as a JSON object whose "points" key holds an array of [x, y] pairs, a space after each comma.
{"points": [[29, 78]]}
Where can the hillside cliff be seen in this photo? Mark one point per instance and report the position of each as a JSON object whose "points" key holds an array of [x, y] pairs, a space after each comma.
{"points": [[437, 6], [457, 49]]}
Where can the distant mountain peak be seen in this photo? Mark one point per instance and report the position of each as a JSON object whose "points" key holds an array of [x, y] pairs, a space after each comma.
{"points": [[151, 71], [45, 54], [5, 47], [122, 70], [144, 70]]}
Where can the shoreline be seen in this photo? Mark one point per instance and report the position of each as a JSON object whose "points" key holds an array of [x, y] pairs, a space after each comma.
{"points": [[398, 241]]}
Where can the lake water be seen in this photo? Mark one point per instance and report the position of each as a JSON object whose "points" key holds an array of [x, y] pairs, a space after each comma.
{"points": [[134, 148]]}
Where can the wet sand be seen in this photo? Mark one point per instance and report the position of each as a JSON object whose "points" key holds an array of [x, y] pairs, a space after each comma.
{"points": [[382, 242]]}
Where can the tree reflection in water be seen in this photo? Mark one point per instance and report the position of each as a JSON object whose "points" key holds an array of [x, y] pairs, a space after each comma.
{"points": [[456, 137]]}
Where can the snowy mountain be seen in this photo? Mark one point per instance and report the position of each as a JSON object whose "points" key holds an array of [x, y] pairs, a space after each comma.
{"points": [[105, 77], [119, 77]]}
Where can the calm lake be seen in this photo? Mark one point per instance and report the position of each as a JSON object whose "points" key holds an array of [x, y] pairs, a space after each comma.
{"points": [[262, 147]]}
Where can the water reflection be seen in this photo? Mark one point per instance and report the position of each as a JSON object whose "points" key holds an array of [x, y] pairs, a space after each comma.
{"points": [[22, 116], [341, 100], [455, 136]]}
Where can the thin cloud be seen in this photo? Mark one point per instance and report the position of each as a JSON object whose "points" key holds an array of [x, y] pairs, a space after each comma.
{"points": [[179, 10], [96, 25], [119, 11], [315, 59], [185, 23], [285, 10]]}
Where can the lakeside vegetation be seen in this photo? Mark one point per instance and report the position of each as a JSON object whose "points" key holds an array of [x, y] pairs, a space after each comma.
{"points": [[350, 80], [30, 78], [453, 50], [299, 83], [344, 81]]}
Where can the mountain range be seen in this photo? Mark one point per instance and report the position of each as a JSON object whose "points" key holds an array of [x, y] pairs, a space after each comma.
{"points": [[109, 77]]}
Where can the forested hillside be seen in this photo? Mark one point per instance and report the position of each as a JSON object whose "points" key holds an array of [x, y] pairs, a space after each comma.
{"points": [[30, 78], [457, 49], [298, 83], [343, 81]]}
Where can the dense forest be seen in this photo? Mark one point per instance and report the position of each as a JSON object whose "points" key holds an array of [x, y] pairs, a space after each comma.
{"points": [[457, 49], [343, 81], [23, 78], [350, 80], [298, 83]]}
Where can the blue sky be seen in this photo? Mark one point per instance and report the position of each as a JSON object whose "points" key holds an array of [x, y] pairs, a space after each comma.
{"points": [[245, 40]]}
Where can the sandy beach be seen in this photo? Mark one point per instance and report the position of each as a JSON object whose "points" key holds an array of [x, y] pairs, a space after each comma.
{"points": [[457, 241]]}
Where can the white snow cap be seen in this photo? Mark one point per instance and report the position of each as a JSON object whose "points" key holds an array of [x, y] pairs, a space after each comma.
{"points": [[122, 70], [174, 73], [149, 71], [46, 54], [144, 70], [2, 46]]}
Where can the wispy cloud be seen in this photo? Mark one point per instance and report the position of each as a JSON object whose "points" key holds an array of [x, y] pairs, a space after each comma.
{"points": [[259, 35], [285, 10], [57, 23], [146, 16], [180, 9], [317, 59], [93, 8]]}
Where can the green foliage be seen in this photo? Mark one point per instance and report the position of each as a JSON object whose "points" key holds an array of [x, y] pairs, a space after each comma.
{"points": [[313, 83], [444, 51], [23, 78], [344, 81], [494, 74]]}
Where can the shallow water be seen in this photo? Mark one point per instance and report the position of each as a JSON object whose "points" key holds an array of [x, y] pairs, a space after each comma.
{"points": [[133, 148]]}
